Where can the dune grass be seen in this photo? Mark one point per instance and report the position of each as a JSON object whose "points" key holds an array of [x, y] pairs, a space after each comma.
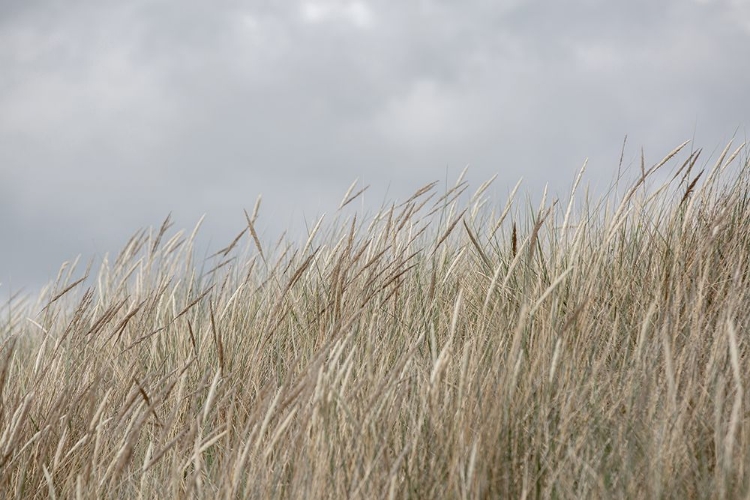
{"points": [[449, 346]]}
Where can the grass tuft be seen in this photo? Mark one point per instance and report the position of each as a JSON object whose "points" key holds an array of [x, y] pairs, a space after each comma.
{"points": [[595, 350]]}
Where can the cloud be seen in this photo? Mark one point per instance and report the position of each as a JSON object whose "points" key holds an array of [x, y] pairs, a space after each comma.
{"points": [[355, 12], [114, 114]]}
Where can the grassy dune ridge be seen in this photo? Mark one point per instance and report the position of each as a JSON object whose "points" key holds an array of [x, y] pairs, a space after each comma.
{"points": [[448, 346]]}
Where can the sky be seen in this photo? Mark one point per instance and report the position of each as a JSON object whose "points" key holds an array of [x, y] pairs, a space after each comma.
{"points": [[114, 114]]}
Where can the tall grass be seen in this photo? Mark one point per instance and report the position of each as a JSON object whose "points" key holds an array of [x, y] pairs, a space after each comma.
{"points": [[448, 346]]}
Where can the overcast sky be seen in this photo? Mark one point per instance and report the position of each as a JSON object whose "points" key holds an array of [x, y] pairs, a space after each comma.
{"points": [[113, 113]]}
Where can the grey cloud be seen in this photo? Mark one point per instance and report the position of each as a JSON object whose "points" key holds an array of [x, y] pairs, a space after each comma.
{"points": [[118, 113]]}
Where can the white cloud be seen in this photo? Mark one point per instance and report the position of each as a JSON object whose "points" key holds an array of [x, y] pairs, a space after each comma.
{"points": [[599, 58], [427, 115], [354, 12], [420, 117]]}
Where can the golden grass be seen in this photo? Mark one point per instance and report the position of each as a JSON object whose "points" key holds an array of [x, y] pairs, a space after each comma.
{"points": [[440, 349]]}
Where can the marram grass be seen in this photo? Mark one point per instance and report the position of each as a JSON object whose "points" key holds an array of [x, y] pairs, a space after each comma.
{"points": [[447, 347]]}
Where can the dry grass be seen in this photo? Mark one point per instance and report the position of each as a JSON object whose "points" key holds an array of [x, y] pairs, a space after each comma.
{"points": [[438, 349]]}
